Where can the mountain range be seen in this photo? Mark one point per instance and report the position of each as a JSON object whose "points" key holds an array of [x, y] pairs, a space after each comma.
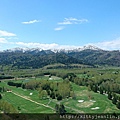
{"points": [[36, 57]]}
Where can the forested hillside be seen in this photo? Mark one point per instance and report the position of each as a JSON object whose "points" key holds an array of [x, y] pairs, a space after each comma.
{"points": [[34, 60], [98, 57], [37, 59]]}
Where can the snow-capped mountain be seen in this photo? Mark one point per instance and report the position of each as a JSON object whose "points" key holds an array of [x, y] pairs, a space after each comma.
{"points": [[90, 47], [17, 49], [37, 57]]}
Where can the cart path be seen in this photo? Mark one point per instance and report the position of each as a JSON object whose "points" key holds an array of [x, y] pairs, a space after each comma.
{"points": [[24, 97]]}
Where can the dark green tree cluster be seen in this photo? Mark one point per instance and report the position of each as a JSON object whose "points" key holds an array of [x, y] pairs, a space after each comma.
{"points": [[6, 77], [7, 107], [10, 83], [33, 84], [55, 90]]}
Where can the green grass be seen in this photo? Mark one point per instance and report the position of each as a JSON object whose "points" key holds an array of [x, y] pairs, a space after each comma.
{"points": [[11, 97], [25, 105], [101, 101], [82, 93]]}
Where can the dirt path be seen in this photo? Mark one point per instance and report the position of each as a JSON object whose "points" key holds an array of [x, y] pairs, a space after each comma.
{"points": [[33, 101], [24, 97]]}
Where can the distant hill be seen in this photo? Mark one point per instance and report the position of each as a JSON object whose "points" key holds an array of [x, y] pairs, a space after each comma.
{"points": [[37, 58], [97, 57]]}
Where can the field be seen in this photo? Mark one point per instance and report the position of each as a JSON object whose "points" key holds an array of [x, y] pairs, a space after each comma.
{"points": [[86, 101]]}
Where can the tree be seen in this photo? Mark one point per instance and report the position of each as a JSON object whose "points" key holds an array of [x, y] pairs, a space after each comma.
{"points": [[19, 108], [47, 117], [1, 89], [52, 95], [7, 107], [59, 97], [114, 100], [118, 104], [57, 108], [0, 96], [109, 96], [23, 86], [101, 90], [64, 89], [43, 94], [62, 109], [89, 88], [72, 94], [95, 88], [48, 91]]}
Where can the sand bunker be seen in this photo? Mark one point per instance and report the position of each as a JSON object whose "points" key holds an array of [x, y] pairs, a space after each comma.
{"points": [[92, 101], [80, 101], [31, 93], [85, 104], [96, 108], [50, 78]]}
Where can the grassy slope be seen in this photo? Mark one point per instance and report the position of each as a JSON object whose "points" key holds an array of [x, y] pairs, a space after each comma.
{"points": [[82, 93], [25, 105]]}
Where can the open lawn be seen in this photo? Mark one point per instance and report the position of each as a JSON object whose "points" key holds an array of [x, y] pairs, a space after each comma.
{"points": [[91, 100], [25, 106]]}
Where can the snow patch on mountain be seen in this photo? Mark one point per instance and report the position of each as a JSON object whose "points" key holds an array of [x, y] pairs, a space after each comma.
{"points": [[90, 47]]}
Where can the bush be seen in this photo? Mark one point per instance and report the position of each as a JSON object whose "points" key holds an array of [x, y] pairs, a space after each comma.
{"points": [[59, 97]]}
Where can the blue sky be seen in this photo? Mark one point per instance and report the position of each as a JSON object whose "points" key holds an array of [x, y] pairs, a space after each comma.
{"points": [[52, 24]]}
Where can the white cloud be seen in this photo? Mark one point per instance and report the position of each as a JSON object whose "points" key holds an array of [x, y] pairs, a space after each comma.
{"points": [[3, 40], [108, 45], [105, 45], [4, 37], [68, 21], [42, 46], [59, 28], [31, 22], [46, 46], [6, 34]]}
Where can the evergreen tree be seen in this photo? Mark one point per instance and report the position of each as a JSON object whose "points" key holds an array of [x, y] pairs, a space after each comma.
{"points": [[114, 100], [118, 104], [59, 97], [47, 117], [0, 96], [95, 88], [52, 95], [57, 108], [0, 89], [109, 96], [62, 109], [101, 90]]}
